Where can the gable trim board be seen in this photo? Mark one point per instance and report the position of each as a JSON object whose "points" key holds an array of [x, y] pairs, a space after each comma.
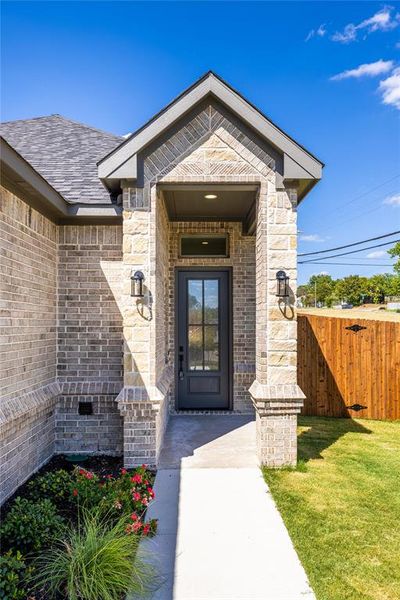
{"points": [[298, 163]]}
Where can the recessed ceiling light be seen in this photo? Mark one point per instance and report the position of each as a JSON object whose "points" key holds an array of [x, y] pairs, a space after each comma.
{"points": [[210, 196], [204, 243]]}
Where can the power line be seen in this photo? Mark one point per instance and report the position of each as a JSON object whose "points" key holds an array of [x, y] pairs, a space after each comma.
{"points": [[377, 187], [345, 264], [379, 237], [352, 251], [357, 216]]}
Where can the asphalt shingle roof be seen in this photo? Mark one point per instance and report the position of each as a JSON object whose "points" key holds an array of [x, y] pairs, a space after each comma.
{"points": [[65, 153]]}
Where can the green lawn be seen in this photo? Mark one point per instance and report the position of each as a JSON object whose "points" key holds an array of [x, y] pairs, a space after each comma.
{"points": [[342, 507]]}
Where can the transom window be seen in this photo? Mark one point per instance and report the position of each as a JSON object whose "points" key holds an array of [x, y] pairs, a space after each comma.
{"points": [[204, 245]]}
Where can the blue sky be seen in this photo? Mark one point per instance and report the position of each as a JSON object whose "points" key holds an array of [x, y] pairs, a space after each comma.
{"points": [[113, 65]]}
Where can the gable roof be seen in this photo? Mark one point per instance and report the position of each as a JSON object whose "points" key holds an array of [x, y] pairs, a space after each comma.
{"points": [[298, 163], [64, 153]]}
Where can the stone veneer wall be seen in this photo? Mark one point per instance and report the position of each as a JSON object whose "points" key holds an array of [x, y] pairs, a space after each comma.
{"points": [[242, 260], [90, 343], [160, 258], [28, 296], [207, 146]]}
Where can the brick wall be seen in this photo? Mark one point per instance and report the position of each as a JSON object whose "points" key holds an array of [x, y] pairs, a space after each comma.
{"points": [[98, 433], [90, 323], [28, 305], [28, 295], [90, 342]]}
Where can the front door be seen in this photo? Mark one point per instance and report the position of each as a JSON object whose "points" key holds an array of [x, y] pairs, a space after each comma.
{"points": [[203, 339]]}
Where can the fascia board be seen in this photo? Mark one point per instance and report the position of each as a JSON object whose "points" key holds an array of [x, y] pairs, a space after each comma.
{"points": [[23, 170], [265, 127], [292, 170], [128, 170], [146, 135], [241, 107]]}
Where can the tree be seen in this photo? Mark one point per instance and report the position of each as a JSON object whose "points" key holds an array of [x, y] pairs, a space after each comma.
{"points": [[395, 253], [381, 285], [322, 287], [352, 289], [318, 288]]}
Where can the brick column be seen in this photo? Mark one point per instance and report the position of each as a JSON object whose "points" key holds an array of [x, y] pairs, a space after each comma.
{"points": [[275, 394]]}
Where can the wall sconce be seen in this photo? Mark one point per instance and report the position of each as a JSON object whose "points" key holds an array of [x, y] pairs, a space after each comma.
{"points": [[282, 284], [137, 279]]}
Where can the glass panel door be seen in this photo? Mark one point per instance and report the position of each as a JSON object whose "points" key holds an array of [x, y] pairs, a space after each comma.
{"points": [[203, 324], [203, 346]]}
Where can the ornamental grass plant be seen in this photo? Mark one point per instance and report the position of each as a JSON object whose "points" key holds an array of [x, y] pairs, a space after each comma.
{"points": [[74, 535], [97, 560]]}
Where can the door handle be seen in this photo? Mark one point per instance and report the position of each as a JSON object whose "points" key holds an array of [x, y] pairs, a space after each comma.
{"points": [[180, 374]]}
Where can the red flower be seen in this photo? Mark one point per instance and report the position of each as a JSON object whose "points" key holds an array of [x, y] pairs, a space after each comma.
{"points": [[123, 471], [134, 517], [136, 496], [151, 492], [136, 526], [82, 471], [137, 478], [75, 492], [144, 466], [146, 529]]}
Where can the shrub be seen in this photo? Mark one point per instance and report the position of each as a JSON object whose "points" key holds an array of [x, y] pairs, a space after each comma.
{"points": [[13, 575], [130, 493], [30, 525], [96, 561], [55, 485]]}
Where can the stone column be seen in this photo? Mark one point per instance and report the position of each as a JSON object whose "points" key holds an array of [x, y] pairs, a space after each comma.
{"points": [[142, 401], [275, 393]]}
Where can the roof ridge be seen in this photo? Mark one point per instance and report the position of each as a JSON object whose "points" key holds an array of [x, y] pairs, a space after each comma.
{"points": [[25, 120], [67, 120], [86, 126]]}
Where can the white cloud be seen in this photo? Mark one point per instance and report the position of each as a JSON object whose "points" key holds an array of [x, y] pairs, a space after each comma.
{"points": [[390, 89], [349, 35], [320, 273], [312, 237], [384, 20], [392, 200], [366, 70], [320, 32], [377, 254]]}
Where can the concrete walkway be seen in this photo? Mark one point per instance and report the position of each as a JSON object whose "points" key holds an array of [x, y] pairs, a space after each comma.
{"points": [[220, 535]]}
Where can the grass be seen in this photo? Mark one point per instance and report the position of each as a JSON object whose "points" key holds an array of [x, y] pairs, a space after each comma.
{"points": [[96, 561], [342, 507]]}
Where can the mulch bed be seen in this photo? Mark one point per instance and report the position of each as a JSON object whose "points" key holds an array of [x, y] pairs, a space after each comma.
{"points": [[101, 465]]}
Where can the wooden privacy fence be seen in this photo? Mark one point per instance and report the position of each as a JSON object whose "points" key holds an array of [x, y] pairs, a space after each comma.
{"points": [[342, 369]]}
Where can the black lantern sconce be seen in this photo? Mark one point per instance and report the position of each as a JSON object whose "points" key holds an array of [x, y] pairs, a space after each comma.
{"points": [[137, 279], [282, 284]]}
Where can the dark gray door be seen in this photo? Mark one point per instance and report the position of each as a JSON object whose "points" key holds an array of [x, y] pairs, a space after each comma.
{"points": [[203, 339]]}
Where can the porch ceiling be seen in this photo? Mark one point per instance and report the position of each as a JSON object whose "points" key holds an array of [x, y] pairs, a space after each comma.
{"points": [[232, 203]]}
